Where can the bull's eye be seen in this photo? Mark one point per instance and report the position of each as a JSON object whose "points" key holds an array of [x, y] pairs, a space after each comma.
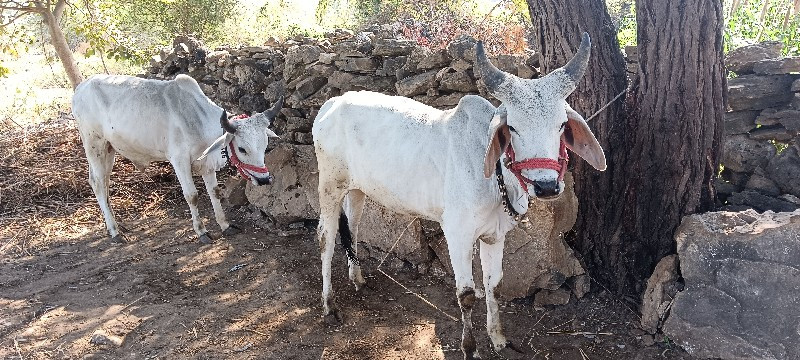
{"points": [[242, 150], [512, 129], [563, 125]]}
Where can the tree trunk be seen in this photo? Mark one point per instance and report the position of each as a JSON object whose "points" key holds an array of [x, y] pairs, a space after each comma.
{"points": [[59, 41], [661, 139]]}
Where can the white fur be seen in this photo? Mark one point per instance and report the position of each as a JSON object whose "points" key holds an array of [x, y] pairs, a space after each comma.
{"points": [[150, 120]]}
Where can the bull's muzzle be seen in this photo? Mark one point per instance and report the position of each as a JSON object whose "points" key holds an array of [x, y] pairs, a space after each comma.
{"points": [[266, 180], [546, 190]]}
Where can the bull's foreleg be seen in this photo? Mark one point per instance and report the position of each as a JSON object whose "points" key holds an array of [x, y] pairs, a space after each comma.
{"points": [[212, 187], [100, 156], [330, 204], [492, 266], [459, 245], [354, 208], [183, 170]]}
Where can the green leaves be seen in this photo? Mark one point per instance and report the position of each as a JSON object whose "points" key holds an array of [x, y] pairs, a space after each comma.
{"points": [[760, 20]]}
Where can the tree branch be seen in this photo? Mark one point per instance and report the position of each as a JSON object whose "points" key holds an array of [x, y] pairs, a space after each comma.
{"points": [[18, 7], [18, 15], [59, 9]]}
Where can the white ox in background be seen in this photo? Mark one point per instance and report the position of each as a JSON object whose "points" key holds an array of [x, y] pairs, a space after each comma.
{"points": [[438, 165], [151, 120]]}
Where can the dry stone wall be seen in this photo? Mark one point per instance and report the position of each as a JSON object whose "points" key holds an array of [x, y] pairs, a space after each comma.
{"points": [[309, 72], [761, 155]]}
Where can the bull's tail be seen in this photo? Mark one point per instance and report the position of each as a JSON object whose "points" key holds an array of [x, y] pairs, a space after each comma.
{"points": [[347, 238]]}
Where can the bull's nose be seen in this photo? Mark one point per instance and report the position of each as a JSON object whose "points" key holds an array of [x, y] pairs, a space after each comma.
{"points": [[545, 189], [265, 180]]}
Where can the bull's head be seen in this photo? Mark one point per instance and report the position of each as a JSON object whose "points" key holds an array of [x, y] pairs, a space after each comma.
{"points": [[247, 140], [534, 119]]}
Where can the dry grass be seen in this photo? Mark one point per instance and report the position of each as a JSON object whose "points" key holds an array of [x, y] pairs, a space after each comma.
{"points": [[45, 194]]}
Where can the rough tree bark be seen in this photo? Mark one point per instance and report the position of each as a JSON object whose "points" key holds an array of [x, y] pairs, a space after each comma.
{"points": [[661, 142]]}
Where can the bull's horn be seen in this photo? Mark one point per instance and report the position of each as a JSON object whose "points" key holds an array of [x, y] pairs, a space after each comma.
{"points": [[491, 75], [576, 67], [276, 107], [229, 127]]}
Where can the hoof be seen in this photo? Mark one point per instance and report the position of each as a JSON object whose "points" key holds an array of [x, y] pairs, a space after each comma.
{"points": [[206, 239], [471, 355], [511, 346], [231, 230], [507, 350], [120, 238], [333, 318], [358, 282], [123, 228]]}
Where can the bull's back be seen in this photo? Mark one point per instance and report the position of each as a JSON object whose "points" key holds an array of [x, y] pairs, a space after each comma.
{"points": [[391, 148], [140, 117]]}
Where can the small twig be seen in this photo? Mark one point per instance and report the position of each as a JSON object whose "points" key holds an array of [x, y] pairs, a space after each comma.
{"points": [[583, 355], [256, 332], [16, 347], [131, 304], [395, 242], [578, 333], [451, 317]]}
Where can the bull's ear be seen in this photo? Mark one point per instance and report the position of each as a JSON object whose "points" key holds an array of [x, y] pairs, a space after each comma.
{"points": [[581, 141], [271, 133], [499, 138], [218, 144]]}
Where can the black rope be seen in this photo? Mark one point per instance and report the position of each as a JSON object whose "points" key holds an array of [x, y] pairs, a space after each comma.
{"points": [[501, 184]]}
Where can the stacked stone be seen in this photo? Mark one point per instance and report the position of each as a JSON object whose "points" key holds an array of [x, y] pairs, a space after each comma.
{"points": [[310, 71], [761, 155]]}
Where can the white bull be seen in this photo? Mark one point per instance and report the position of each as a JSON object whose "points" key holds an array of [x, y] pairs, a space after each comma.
{"points": [[438, 165], [151, 120]]}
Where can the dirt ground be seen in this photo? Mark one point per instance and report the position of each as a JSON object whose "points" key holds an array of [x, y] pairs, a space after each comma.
{"points": [[67, 292]]}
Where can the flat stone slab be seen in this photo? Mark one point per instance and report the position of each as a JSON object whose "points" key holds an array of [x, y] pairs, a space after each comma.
{"points": [[742, 277]]}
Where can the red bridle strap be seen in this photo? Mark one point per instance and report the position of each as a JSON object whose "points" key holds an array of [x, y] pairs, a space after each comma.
{"points": [[516, 167], [238, 164]]}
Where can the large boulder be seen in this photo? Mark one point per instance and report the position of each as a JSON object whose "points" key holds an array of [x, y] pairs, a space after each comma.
{"points": [[742, 278], [742, 154], [293, 196], [784, 169], [743, 59], [661, 289], [383, 231]]}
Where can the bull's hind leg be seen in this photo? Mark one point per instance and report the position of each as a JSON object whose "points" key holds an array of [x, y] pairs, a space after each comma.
{"points": [[183, 170], [100, 156], [212, 187], [330, 205], [354, 208]]}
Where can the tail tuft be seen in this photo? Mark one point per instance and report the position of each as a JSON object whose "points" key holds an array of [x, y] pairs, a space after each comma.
{"points": [[347, 238]]}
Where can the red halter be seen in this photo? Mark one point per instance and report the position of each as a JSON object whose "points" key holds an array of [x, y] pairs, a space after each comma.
{"points": [[516, 167], [238, 164]]}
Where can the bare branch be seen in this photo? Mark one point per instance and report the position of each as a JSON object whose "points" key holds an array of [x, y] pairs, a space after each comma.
{"points": [[18, 15], [16, 6], [59, 9]]}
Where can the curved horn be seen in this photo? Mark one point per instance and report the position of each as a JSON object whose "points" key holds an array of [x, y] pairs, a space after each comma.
{"points": [[491, 75], [577, 65], [565, 79], [228, 126], [276, 107]]}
